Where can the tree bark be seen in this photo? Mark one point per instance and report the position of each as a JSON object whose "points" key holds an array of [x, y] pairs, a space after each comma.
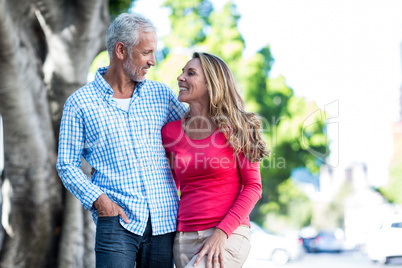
{"points": [[46, 48]]}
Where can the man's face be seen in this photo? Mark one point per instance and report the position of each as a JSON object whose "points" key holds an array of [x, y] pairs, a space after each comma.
{"points": [[142, 57]]}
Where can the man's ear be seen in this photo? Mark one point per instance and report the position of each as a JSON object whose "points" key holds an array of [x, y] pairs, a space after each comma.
{"points": [[120, 51]]}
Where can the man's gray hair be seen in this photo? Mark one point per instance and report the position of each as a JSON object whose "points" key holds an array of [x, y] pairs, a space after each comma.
{"points": [[126, 28]]}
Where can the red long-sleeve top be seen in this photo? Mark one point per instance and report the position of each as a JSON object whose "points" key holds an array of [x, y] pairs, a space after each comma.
{"points": [[216, 189]]}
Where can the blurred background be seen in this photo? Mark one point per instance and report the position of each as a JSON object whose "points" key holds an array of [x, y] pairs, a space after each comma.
{"points": [[324, 76]]}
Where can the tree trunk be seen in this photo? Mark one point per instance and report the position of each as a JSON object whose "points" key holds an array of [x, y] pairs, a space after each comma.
{"points": [[46, 48]]}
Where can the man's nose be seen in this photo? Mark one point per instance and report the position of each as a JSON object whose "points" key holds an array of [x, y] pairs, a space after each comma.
{"points": [[152, 60]]}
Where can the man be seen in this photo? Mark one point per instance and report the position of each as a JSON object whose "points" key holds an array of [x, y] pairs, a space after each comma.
{"points": [[114, 122]]}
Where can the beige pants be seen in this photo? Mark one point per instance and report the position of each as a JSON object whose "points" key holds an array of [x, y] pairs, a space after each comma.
{"points": [[187, 243]]}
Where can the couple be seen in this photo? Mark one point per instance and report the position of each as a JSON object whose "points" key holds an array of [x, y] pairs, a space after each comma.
{"points": [[136, 134]]}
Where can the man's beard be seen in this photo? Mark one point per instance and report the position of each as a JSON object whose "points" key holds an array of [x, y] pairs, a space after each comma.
{"points": [[132, 71]]}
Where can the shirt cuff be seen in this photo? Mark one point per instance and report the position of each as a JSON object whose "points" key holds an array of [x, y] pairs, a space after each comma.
{"points": [[91, 197], [227, 229]]}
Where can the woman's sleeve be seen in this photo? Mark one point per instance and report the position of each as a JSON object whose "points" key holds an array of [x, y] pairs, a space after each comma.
{"points": [[169, 154], [248, 197]]}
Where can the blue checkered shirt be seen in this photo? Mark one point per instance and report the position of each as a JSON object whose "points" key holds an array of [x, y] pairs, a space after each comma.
{"points": [[126, 150]]}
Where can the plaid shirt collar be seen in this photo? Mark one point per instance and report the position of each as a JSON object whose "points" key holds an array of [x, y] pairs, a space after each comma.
{"points": [[105, 89]]}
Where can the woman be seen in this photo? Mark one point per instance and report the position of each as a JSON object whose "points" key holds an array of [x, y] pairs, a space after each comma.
{"points": [[214, 153]]}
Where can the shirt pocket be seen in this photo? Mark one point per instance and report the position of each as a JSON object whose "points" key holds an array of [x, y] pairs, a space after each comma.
{"points": [[147, 129], [105, 134], [238, 243]]}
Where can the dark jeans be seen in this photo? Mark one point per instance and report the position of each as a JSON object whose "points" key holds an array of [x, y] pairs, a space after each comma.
{"points": [[116, 247]]}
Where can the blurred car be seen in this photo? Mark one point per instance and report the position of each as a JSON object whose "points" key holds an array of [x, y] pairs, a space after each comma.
{"points": [[307, 235], [278, 249], [328, 241], [386, 242]]}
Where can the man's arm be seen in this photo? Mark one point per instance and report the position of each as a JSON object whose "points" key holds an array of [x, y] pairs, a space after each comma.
{"points": [[71, 147], [176, 108]]}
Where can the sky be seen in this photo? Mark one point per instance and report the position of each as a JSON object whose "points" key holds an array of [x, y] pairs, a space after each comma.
{"points": [[343, 54]]}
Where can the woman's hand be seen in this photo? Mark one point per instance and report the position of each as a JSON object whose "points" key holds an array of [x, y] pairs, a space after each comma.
{"points": [[213, 247]]}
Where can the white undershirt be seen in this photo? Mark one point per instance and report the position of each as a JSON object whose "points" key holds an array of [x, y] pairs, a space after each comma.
{"points": [[123, 103]]}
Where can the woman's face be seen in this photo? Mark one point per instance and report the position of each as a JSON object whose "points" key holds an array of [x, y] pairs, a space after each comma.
{"points": [[192, 83]]}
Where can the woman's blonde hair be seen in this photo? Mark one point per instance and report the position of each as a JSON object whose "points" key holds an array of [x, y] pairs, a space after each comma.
{"points": [[241, 128]]}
